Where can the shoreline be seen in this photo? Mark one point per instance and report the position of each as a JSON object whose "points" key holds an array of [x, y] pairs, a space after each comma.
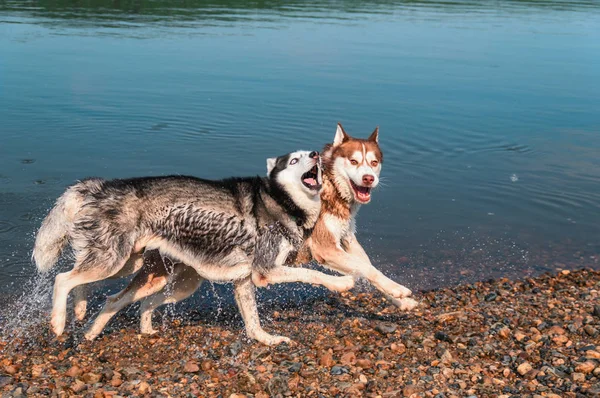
{"points": [[529, 338]]}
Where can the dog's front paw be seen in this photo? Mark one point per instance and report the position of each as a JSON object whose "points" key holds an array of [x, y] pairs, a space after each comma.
{"points": [[90, 336], [148, 331], [399, 291], [57, 323], [270, 339], [405, 304], [341, 283], [276, 340], [80, 310]]}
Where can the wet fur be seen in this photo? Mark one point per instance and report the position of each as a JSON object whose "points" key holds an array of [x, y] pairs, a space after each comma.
{"points": [[213, 226]]}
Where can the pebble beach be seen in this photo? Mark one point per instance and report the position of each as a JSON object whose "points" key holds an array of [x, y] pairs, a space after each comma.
{"points": [[536, 337]]}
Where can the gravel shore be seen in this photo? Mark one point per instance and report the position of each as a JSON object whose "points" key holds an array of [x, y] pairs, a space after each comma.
{"points": [[537, 337]]}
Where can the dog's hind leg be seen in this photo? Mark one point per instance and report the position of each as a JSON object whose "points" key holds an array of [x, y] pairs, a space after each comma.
{"points": [[245, 297], [185, 282], [63, 284], [283, 274], [91, 265], [151, 279], [80, 294]]}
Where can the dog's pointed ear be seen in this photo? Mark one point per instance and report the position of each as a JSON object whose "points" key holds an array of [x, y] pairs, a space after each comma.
{"points": [[271, 162], [340, 135], [374, 135]]}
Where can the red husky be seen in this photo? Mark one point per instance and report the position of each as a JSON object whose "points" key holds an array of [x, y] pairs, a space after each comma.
{"points": [[351, 170]]}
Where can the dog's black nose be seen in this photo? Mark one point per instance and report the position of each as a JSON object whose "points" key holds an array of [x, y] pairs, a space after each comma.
{"points": [[313, 155]]}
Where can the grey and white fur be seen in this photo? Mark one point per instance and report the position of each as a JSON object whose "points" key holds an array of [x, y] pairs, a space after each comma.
{"points": [[214, 227]]}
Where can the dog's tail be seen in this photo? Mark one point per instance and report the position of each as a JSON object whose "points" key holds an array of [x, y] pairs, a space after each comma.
{"points": [[53, 235]]}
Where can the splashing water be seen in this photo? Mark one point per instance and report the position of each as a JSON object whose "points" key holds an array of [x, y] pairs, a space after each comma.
{"points": [[24, 315]]}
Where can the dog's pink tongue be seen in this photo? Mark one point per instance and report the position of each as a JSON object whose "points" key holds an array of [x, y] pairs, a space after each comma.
{"points": [[310, 181], [363, 193]]}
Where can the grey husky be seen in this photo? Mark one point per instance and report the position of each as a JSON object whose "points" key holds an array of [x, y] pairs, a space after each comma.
{"points": [[214, 227]]}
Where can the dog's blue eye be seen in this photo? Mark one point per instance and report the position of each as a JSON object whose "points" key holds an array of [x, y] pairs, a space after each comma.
{"points": [[294, 161]]}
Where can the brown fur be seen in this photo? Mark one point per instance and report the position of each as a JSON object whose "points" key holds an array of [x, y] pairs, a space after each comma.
{"points": [[340, 250]]}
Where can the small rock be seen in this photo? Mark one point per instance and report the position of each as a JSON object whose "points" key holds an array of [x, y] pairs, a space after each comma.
{"points": [[338, 370], [592, 354], [78, 386], [411, 389], [398, 348], [235, 347], [259, 353], [504, 332], [578, 377], [191, 367], [491, 296], [91, 378], [246, 382], [524, 368], [441, 336], [130, 372], [586, 367], [348, 358], [5, 380], [364, 363], [560, 339], [445, 356], [206, 365], [144, 388], [596, 310], [589, 329], [385, 327], [556, 330], [116, 382], [428, 343], [326, 359], [277, 385], [37, 370], [10, 369], [74, 371], [295, 367]]}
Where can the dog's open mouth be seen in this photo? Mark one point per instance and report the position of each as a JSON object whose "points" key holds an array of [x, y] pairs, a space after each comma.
{"points": [[362, 194], [310, 179]]}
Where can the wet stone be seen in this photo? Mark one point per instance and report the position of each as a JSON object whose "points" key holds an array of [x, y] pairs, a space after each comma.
{"points": [[338, 370], [5, 380], [490, 296], [130, 372], [191, 367], [589, 329], [235, 348], [411, 389], [385, 327], [359, 363], [293, 367], [441, 336], [524, 368], [277, 386]]}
